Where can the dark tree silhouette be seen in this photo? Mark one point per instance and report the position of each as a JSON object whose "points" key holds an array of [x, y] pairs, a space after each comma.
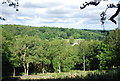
{"points": [[1, 18], [89, 3], [103, 14], [116, 13], [103, 17], [10, 4]]}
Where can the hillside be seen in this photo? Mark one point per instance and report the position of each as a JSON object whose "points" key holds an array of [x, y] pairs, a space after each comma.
{"points": [[35, 50], [52, 32]]}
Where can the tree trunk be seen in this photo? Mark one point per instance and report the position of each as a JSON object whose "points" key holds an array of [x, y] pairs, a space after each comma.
{"points": [[59, 70], [27, 69], [84, 63], [24, 64], [13, 72], [24, 68], [43, 69]]}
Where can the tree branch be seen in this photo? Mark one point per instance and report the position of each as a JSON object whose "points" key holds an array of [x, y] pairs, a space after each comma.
{"points": [[90, 3], [1, 18], [116, 13]]}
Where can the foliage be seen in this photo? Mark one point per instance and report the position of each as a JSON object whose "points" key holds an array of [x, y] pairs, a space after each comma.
{"points": [[112, 40], [41, 50], [53, 32], [104, 55], [71, 40]]}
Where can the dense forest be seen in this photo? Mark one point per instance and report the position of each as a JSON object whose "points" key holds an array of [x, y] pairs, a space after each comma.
{"points": [[31, 50], [53, 32]]}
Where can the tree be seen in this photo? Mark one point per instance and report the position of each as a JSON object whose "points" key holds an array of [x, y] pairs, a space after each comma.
{"points": [[14, 59], [104, 56], [71, 40], [83, 51], [6, 41], [11, 4], [65, 60], [93, 60], [41, 55], [68, 58], [25, 49], [103, 14], [112, 40], [56, 49]]}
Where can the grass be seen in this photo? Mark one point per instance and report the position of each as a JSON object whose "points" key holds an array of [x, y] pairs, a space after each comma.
{"points": [[62, 75], [73, 75]]}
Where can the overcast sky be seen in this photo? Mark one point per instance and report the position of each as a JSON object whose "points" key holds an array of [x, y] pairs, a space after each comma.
{"points": [[58, 13]]}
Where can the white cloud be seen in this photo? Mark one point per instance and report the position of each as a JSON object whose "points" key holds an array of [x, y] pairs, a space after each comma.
{"points": [[24, 17], [58, 13]]}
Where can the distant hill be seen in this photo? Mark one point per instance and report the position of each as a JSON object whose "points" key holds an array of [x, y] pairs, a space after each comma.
{"points": [[53, 32]]}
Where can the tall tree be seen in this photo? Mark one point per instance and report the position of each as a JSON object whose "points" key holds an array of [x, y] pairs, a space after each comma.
{"points": [[114, 44], [56, 51], [104, 56], [83, 51], [14, 59], [68, 60], [93, 60], [6, 42], [24, 49], [42, 56]]}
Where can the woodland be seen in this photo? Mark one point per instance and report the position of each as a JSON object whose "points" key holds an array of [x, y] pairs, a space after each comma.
{"points": [[28, 50], [60, 54]]}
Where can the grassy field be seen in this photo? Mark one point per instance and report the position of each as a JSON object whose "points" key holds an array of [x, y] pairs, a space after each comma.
{"points": [[75, 74], [62, 75]]}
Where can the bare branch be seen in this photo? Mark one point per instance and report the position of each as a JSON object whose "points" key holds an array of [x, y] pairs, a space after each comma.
{"points": [[89, 3], [1, 18], [116, 13]]}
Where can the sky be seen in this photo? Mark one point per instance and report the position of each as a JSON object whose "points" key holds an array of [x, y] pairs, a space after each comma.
{"points": [[58, 13]]}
